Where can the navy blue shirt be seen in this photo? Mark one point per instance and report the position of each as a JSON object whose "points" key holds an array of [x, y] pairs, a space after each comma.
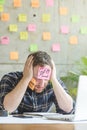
{"points": [[32, 101]]}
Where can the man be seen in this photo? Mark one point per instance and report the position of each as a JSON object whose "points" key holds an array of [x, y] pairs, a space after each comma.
{"points": [[17, 94]]}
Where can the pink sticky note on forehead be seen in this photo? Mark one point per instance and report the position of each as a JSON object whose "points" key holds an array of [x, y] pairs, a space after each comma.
{"points": [[44, 73]]}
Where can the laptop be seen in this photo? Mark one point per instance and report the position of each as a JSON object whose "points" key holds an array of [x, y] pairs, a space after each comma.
{"points": [[81, 104]]}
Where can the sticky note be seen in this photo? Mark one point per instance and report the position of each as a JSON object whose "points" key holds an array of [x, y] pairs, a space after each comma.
{"points": [[1, 8], [49, 2], [24, 35], [5, 17], [13, 28], [35, 3], [31, 27], [17, 3], [22, 18], [44, 73], [63, 11], [83, 30], [4, 40], [46, 36], [64, 29], [13, 55], [2, 2], [75, 18], [46, 18], [33, 48], [56, 47], [73, 40]]}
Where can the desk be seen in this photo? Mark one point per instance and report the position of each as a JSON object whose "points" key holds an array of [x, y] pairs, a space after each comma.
{"points": [[10, 123]]}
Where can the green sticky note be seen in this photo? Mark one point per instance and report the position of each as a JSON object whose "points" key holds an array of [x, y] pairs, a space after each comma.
{"points": [[83, 30], [2, 2], [33, 48], [75, 18]]}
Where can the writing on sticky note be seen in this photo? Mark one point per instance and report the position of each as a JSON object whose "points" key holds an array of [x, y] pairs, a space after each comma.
{"points": [[1, 8], [33, 48], [44, 73], [35, 3], [13, 55], [2, 2], [63, 10], [17, 3], [24, 35], [13, 28], [64, 29], [31, 27], [56, 47], [46, 18], [22, 18], [5, 17], [4, 40], [49, 2], [75, 18], [46, 36], [73, 40]]}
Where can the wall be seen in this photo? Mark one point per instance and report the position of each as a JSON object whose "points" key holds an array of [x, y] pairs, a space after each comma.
{"points": [[65, 22]]}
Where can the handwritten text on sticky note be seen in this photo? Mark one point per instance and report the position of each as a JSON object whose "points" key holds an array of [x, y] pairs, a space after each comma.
{"points": [[44, 73], [4, 40]]}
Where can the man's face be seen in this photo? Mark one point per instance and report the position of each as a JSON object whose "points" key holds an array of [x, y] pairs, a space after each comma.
{"points": [[42, 77]]}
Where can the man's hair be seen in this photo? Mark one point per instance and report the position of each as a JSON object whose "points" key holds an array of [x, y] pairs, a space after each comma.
{"points": [[41, 58]]}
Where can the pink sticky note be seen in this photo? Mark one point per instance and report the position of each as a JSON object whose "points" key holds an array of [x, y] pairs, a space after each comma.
{"points": [[64, 29], [44, 73], [56, 47], [49, 2], [31, 27], [4, 40]]}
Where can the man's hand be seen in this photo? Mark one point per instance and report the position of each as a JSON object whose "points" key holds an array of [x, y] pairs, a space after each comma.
{"points": [[53, 74]]}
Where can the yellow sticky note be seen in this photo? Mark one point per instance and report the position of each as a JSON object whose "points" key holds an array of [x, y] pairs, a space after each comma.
{"points": [[73, 40], [46, 36], [63, 11], [24, 35], [1, 8], [35, 3], [33, 48], [5, 17], [22, 18], [13, 28], [13, 55], [46, 18], [17, 3]]}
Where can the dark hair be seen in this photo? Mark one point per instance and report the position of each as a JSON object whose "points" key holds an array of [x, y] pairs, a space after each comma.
{"points": [[41, 58]]}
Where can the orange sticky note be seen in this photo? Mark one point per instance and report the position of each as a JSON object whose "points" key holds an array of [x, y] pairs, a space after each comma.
{"points": [[73, 40], [17, 3], [14, 55], [63, 11], [5, 17], [35, 3], [46, 36]]}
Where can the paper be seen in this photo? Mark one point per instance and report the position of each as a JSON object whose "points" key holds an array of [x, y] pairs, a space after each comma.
{"points": [[46, 17], [31, 27], [73, 40], [24, 35], [64, 29], [75, 18], [13, 55], [49, 2], [44, 73], [13, 28], [35, 3], [33, 48], [2, 2], [1, 8], [46, 36], [56, 47], [17, 3], [22, 18], [5, 17], [4, 40], [63, 11], [83, 30]]}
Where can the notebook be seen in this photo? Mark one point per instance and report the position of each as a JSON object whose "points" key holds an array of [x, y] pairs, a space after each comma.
{"points": [[81, 104]]}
